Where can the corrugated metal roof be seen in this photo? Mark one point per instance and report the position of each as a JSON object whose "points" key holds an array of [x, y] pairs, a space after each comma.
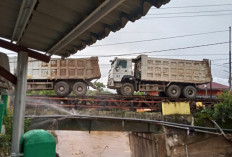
{"points": [[214, 86], [8, 15], [64, 27]]}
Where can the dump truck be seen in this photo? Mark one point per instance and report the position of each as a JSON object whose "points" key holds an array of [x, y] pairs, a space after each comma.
{"points": [[4, 62], [172, 77], [62, 75]]}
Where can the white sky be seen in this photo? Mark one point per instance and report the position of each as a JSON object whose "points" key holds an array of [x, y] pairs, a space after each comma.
{"points": [[144, 29]]}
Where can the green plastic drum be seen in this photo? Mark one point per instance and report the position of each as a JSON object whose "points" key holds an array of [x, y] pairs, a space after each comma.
{"points": [[5, 102], [38, 143], [1, 115]]}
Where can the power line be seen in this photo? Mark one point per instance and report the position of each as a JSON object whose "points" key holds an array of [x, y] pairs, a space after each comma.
{"points": [[220, 65], [220, 59], [205, 54], [195, 6], [164, 38], [186, 16], [208, 54], [165, 50], [193, 12]]}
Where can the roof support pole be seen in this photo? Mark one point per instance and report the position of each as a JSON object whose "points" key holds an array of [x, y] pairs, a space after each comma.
{"points": [[19, 105]]}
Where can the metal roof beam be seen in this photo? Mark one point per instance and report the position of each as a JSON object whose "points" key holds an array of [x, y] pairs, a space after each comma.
{"points": [[104, 9], [25, 12], [7, 75], [18, 48]]}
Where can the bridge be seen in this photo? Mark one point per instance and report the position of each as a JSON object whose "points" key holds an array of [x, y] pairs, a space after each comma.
{"points": [[113, 101], [108, 113]]}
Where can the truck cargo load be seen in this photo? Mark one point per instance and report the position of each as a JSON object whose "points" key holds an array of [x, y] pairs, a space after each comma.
{"points": [[172, 70], [81, 68]]}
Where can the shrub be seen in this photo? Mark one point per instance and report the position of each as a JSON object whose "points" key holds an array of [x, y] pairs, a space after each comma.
{"points": [[221, 113], [5, 140]]}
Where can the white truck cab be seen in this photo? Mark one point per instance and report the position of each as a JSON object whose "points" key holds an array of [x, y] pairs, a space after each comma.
{"points": [[120, 68]]}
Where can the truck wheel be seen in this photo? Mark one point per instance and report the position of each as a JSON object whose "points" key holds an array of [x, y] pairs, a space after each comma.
{"points": [[118, 90], [173, 91], [80, 88], [62, 88], [190, 92], [127, 89]]}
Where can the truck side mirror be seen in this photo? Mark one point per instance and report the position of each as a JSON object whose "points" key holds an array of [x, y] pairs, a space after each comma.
{"points": [[117, 69]]}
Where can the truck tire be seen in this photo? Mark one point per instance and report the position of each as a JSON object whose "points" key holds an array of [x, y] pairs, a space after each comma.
{"points": [[118, 90], [127, 89], [173, 91], [190, 92], [62, 88], [80, 88]]}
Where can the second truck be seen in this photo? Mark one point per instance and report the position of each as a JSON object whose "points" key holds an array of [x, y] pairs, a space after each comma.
{"points": [[171, 77], [62, 75]]}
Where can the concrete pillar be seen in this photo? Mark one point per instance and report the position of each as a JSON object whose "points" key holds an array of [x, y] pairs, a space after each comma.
{"points": [[19, 103]]}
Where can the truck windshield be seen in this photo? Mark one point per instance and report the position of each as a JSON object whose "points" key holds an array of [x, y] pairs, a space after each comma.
{"points": [[122, 63]]}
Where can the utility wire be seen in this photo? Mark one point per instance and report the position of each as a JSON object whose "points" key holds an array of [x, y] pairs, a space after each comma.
{"points": [[186, 55], [220, 65], [185, 16], [181, 55], [164, 38], [193, 12], [165, 50], [196, 6], [220, 59], [194, 55]]}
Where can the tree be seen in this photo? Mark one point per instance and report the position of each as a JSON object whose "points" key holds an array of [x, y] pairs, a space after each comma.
{"points": [[100, 86], [221, 112]]}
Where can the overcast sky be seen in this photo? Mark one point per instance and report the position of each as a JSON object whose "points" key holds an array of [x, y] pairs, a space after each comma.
{"points": [[177, 18]]}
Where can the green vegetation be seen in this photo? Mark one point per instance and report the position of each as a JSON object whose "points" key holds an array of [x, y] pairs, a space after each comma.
{"points": [[100, 86], [5, 139], [139, 93], [100, 89], [221, 113], [41, 92]]}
